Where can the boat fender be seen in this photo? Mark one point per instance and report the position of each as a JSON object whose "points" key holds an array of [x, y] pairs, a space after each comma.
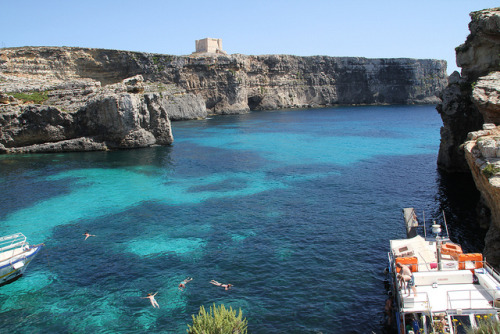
{"points": [[18, 265]]}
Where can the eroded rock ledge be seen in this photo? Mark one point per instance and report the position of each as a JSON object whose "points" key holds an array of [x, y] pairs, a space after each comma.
{"points": [[482, 151], [478, 57], [80, 115]]}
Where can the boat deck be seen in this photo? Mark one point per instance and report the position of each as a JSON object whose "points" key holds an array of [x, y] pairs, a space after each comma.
{"points": [[10, 254], [450, 285], [445, 297]]}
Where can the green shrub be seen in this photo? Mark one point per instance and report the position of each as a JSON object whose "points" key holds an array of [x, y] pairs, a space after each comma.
{"points": [[35, 97], [218, 320], [485, 325], [490, 170]]}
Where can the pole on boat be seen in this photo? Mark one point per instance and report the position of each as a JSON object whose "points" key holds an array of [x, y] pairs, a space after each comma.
{"points": [[436, 229], [446, 225], [425, 230]]}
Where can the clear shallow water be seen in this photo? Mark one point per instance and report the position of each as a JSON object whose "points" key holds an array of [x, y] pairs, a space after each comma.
{"points": [[294, 208]]}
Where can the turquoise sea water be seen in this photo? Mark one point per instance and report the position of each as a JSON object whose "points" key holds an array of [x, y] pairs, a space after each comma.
{"points": [[294, 208]]}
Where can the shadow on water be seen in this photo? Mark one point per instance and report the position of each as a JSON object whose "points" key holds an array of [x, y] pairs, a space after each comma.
{"points": [[458, 197], [24, 177], [55, 163]]}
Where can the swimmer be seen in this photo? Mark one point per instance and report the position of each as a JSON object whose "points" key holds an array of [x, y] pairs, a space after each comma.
{"points": [[182, 285], [225, 286], [152, 299], [87, 234]]}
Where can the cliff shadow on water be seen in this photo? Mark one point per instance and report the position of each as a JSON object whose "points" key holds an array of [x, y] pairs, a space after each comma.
{"points": [[459, 199]]}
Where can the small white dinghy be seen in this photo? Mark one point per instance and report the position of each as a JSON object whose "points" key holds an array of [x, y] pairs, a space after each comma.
{"points": [[15, 255]]}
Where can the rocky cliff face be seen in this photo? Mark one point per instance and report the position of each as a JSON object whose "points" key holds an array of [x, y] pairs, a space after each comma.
{"points": [[478, 56], [470, 109], [482, 152], [122, 115], [239, 83], [90, 102]]}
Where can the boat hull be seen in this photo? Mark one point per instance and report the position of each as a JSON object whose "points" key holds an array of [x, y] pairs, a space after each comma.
{"points": [[15, 267], [456, 291]]}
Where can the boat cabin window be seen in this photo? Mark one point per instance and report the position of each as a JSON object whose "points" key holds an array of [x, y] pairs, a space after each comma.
{"points": [[460, 323]]}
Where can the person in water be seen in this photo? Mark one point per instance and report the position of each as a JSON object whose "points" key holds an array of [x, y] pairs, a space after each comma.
{"points": [[182, 285], [388, 310], [406, 278], [152, 299], [225, 286], [87, 234]]}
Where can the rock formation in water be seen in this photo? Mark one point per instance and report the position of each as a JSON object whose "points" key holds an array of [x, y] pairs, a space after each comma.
{"points": [[82, 116], [470, 110], [79, 81]]}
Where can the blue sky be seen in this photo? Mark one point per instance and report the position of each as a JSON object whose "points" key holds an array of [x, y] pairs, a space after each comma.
{"points": [[360, 28]]}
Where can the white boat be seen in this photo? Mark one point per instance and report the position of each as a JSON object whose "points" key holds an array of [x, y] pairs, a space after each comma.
{"points": [[454, 291], [15, 255]]}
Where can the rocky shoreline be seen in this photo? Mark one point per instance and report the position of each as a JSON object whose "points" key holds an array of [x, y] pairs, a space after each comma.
{"points": [[470, 110], [83, 116], [96, 99]]}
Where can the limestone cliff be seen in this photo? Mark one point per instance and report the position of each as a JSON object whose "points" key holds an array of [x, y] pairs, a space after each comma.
{"points": [[89, 102], [478, 56], [470, 110], [118, 116], [482, 151], [239, 83]]}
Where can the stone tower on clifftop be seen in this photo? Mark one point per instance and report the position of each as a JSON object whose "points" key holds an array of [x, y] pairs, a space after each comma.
{"points": [[209, 45]]}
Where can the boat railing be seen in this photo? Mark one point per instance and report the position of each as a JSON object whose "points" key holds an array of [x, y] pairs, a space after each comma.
{"points": [[463, 301], [411, 303], [12, 242], [493, 272]]}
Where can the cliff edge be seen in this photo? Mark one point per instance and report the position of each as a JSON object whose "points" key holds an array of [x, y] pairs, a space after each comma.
{"points": [[239, 83], [82, 95], [470, 110]]}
